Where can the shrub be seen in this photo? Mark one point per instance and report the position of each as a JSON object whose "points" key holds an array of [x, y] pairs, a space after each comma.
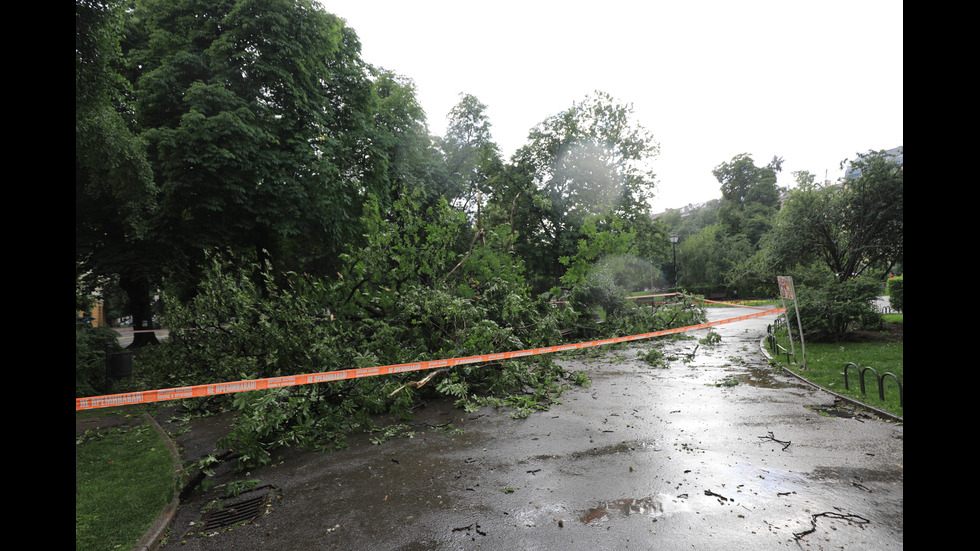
{"points": [[91, 346], [598, 291], [896, 293], [829, 313]]}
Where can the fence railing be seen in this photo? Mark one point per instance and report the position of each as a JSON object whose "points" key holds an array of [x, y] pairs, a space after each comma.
{"points": [[774, 345]]}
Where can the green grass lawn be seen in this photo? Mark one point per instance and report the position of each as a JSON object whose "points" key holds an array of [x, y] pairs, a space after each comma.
{"points": [[125, 478], [882, 351]]}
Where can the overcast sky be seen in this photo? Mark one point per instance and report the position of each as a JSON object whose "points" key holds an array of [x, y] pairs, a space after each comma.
{"points": [[811, 82]]}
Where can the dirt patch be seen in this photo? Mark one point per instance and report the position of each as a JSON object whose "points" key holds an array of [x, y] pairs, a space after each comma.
{"points": [[843, 410], [891, 332]]}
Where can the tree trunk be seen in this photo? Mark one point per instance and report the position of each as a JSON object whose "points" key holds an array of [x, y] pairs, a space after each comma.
{"points": [[137, 288]]}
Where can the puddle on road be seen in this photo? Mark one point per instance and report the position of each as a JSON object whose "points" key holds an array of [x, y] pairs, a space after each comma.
{"points": [[766, 482], [763, 377], [860, 478], [612, 449], [739, 358], [622, 508]]}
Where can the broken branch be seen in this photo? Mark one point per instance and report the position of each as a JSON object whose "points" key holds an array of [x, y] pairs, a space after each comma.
{"points": [[771, 437], [468, 253], [830, 514], [417, 384]]}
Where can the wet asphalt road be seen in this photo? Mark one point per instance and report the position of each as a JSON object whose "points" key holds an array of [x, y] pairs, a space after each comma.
{"points": [[713, 452]]}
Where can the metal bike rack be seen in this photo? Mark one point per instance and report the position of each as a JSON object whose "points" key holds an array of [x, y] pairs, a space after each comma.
{"points": [[862, 371]]}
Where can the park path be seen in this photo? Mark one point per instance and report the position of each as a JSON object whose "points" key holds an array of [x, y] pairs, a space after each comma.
{"points": [[713, 452]]}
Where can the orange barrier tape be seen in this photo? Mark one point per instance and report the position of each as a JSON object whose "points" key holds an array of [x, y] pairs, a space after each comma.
{"points": [[197, 391]]}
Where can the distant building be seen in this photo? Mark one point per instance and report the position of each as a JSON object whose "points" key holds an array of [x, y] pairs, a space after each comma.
{"points": [[685, 211], [895, 154]]}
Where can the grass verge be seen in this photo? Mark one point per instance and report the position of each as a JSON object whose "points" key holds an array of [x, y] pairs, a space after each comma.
{"points": [[883, 351], [124, 478]]}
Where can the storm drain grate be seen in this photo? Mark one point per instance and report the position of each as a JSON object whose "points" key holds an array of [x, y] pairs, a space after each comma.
{"points": [[238, 510]]}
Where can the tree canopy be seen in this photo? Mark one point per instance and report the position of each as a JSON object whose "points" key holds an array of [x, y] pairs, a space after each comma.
{"points": [[853, 229], [749, 194], [472, 158], [257, 115], [590, 160], [254, 127], [115, 192]]}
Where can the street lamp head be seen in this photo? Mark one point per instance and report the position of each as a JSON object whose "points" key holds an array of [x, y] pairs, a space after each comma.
{"points": [[673, 238]]}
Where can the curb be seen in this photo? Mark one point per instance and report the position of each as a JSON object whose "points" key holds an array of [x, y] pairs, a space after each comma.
{"points": [[154, 534], [879, 412]]}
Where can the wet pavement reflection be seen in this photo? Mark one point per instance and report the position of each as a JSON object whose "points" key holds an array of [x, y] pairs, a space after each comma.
{"points": [[708, 450]]}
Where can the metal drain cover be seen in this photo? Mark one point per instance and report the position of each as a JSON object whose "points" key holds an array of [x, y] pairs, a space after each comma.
{"points": [[241, 509]]}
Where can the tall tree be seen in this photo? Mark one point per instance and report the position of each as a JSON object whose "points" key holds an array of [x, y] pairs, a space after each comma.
{"points": [[114, 191], [402, 138], [708, 256], [854, 228], [258, 114], [589, 160], [472, 157], [750, 195]]}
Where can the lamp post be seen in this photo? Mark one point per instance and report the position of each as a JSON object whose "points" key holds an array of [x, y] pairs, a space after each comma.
{"points": [[673, 243]]}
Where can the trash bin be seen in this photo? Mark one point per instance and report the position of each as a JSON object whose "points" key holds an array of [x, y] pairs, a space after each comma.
{"points": [[120, 365], [117, 366]]}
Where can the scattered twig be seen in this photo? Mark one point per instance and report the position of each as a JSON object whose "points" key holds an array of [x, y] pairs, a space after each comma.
{"points": [[693, 352], [720, 497], [431, 426], [468, 528], [771, 437], [830, 514], [861, 486]]}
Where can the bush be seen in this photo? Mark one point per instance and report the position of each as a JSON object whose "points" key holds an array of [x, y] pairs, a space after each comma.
{"points": [[91, 346], [829, 313], [896, 293], [598, 291]]}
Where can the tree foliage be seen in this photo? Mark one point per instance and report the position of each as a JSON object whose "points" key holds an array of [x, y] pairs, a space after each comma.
{"points": [[115, 195], [750, 195], [410, 160], [709, 256], [257, 114], [289, 202], [853, 229], [589, 160], [831, 311], [472, 158], [399, 298]]}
